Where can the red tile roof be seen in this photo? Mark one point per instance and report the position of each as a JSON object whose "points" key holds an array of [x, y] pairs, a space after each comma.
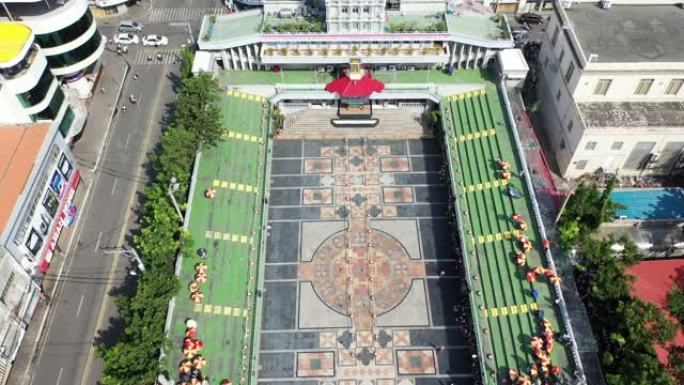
{"points": [[21, 144], [654, 279]]}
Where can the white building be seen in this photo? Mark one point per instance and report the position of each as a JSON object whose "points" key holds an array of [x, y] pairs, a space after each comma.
{"points": [[610, 86], [38, 177], [67, 33], [292, 34]]}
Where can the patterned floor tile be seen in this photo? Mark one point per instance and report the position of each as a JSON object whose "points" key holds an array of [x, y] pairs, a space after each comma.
{"points": [[327, 339], [394, 164], [318, 165], [401, 338], [316, 364], [397, 194], [416, 362]]}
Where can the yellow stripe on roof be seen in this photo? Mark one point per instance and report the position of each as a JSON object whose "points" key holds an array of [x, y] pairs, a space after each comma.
{"points": [[15, 36]]}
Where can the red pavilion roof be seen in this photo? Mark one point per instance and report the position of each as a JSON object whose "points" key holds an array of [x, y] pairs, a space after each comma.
{"points": [[348, 88]]}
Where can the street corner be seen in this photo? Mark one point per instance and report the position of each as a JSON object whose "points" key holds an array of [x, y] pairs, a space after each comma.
{"points": [[111, 15]]}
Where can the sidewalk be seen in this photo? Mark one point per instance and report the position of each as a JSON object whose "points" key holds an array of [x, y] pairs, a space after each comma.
{"points": [[87, 151]]}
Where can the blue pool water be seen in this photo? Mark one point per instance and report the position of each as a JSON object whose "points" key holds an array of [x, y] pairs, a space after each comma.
{"points": [[652, 203]]}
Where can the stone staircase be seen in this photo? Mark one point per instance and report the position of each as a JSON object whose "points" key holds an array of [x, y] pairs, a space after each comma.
{"points": [[394, 123]]}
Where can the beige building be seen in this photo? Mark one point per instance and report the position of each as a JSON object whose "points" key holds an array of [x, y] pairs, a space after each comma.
{"points": [[611, 85]]}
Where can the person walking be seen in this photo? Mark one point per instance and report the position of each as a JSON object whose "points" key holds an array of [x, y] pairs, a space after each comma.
{"points": [[535, 295]]}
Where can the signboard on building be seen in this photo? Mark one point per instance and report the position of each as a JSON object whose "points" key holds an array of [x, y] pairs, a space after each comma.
{"points": [[60, 221]]}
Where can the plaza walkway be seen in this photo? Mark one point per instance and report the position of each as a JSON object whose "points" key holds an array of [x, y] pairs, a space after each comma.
{"points": [[506, 313], [229, 228]]}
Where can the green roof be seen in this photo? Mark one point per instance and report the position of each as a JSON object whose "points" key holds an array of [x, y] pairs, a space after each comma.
{"points": [[413, 22], [229, 227], [478, 136]]}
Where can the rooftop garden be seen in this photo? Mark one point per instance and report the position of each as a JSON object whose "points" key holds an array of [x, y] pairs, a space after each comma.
{"points": [[432, 22]]}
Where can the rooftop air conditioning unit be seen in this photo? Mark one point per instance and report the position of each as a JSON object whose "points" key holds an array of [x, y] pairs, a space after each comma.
{"points": [[606, 4]]}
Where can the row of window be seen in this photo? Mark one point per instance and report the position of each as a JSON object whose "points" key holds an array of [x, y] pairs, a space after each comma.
{"points": [[36, 94], [592, 146], [642, 88], [355, 9]]}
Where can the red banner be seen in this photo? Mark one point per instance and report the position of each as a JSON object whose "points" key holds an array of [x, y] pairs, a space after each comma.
{"points": [[61, 220]]}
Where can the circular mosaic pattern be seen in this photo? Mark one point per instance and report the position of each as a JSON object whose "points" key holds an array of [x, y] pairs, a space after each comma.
{"points": [[348, 279]]}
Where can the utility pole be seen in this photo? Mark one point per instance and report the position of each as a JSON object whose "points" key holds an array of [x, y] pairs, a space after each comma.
{"points": [[130, 253], [173, 187]]}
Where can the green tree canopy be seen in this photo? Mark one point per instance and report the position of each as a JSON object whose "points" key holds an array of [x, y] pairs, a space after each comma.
{"points": [[675, 302], [197, 109]]}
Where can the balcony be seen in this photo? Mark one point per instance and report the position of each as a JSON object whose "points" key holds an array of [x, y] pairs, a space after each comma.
{"points": [[22, 67]]}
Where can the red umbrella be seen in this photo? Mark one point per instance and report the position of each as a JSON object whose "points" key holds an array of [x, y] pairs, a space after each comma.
{"points": [[348, 88], [43, 266]]}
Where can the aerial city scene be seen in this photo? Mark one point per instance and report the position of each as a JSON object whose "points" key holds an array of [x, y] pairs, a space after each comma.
{"points": [[341, 192]]}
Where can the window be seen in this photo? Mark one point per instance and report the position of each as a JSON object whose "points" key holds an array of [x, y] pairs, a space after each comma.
{"points": [[643, 87], [558, 95], [50, 112], [616, 145], [580, 165], [76, 55], [355, 10], [345, 10], [570, 124], [554, 40], [66, 34], [590, 146], [65, 124], [602, 86], [36, 94], [366, 9], [560, 57], [674, 87], [568, 73]]}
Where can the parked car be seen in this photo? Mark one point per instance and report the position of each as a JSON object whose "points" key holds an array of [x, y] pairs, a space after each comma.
{"points": [[130, 26], [126, 38], [155, 40], [530, 18]]}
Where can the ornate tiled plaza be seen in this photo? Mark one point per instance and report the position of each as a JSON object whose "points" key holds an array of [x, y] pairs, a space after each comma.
{"points": [[360, 279]]}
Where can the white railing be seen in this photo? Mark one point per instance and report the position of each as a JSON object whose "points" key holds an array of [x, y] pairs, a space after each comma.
{"points": [[537, 215]]}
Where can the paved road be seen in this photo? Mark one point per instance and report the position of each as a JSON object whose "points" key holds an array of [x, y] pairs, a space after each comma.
{"points": [[83, 305], [90, 274]]}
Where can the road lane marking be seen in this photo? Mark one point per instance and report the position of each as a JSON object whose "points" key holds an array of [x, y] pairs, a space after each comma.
{"points": [[112, 271], [128, 137], [59, 377], [97, 244], [116, 180], [80, 303]]}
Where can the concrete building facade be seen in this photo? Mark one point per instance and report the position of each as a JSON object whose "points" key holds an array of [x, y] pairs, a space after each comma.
{"points": [[611, 88], [38, 177], [462, 37]]}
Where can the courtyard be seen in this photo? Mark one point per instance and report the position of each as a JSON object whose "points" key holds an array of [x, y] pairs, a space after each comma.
{"points": [[361, 282]]}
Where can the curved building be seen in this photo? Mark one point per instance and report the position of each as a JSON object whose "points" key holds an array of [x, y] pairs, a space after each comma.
{"points": [[30, 92], [67, 33]]}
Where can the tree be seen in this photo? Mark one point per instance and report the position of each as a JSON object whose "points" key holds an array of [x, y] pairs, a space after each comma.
{"points": [[585, 211], [675, 303], [676, 363], [187, 57], [197, 110]]}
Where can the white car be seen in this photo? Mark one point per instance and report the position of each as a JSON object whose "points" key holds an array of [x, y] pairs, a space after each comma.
{"points": [[155, 40], [126, 38]]}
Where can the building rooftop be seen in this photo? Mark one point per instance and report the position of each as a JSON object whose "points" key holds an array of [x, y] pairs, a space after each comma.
{"points": [[629, 33], [414, 22], [477, 25], [22, 144], [229, 27], [632, 114], [14, 38], [653, 280]]}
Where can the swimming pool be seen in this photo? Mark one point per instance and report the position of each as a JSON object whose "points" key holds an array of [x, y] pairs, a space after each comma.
{"points": [[650, 203]]}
